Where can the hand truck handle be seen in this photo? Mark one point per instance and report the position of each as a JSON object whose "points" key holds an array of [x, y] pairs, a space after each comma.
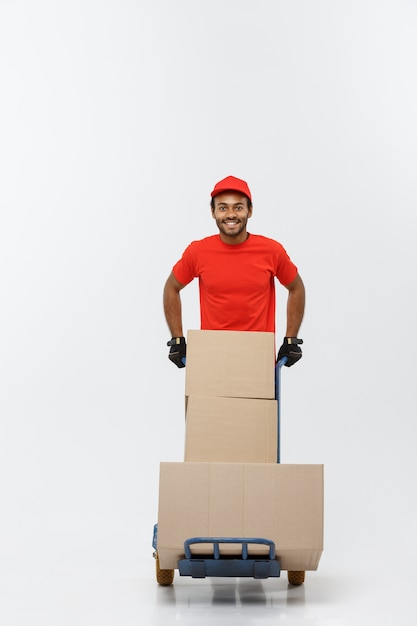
{"points": [[278, 367]]}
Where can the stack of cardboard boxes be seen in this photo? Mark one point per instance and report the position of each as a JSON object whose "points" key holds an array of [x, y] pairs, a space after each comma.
{"points": [[230, 484]]}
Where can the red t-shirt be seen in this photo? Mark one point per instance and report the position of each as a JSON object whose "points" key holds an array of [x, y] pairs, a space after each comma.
{"points": [[236, 282]]}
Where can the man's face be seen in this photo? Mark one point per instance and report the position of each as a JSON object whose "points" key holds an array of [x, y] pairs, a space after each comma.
{"points": [[231, 213]]}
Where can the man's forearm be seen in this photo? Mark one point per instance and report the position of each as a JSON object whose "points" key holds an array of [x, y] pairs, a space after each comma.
{"points": [[295, 309], [173, 312]]}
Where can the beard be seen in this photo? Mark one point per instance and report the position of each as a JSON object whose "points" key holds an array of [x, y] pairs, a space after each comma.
{"points": [[232, 232]]}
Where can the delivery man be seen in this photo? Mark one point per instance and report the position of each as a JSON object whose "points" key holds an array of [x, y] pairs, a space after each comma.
{"points": [[236, 272]]}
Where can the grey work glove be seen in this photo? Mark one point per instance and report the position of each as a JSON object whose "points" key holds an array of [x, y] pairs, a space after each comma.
{"points": [[177, 352], [290, 349]]}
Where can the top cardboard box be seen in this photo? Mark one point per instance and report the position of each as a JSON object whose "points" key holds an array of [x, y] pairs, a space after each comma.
{"points": [[232, 364]]}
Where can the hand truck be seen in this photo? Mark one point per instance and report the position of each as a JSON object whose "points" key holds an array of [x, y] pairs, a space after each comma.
{"points": [[217, 564]]}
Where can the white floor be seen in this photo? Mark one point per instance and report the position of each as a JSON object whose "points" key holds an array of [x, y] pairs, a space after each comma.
{"points": [[79, 499], [69, 570]]}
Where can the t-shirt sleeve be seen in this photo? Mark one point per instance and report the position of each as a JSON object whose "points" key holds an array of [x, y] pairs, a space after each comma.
{"points": [[286, 270], [184, 269]]}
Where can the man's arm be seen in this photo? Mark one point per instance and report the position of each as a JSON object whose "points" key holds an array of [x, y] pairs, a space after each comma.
{"points": [[172, 305], [295, 306]]}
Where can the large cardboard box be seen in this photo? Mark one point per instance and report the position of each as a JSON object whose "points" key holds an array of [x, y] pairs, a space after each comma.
{"points": [[283, 503], [230, 363], [232, 430]]}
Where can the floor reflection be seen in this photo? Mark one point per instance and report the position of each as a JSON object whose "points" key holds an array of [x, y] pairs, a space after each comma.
{"points": [[231, 592]]}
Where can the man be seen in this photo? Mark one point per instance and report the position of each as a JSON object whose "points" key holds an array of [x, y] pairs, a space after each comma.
{"points": [[236, 272]]}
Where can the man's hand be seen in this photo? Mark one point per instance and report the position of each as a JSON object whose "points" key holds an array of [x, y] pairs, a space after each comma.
{"points": [[178, 349], [291, 349]]}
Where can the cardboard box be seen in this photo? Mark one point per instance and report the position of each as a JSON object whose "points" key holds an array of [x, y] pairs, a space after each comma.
{"points": [[230, 363], [283, 503], [236, 430]]}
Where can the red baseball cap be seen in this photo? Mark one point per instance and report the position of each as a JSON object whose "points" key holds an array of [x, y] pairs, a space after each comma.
{"points": [[231, 183]]}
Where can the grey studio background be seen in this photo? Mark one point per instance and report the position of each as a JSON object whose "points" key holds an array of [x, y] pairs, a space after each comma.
{"points": [[116, 120]]}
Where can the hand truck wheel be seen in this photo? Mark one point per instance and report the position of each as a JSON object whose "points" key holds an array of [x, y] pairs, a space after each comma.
{"points": [[296, 578], [164, 577]]}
